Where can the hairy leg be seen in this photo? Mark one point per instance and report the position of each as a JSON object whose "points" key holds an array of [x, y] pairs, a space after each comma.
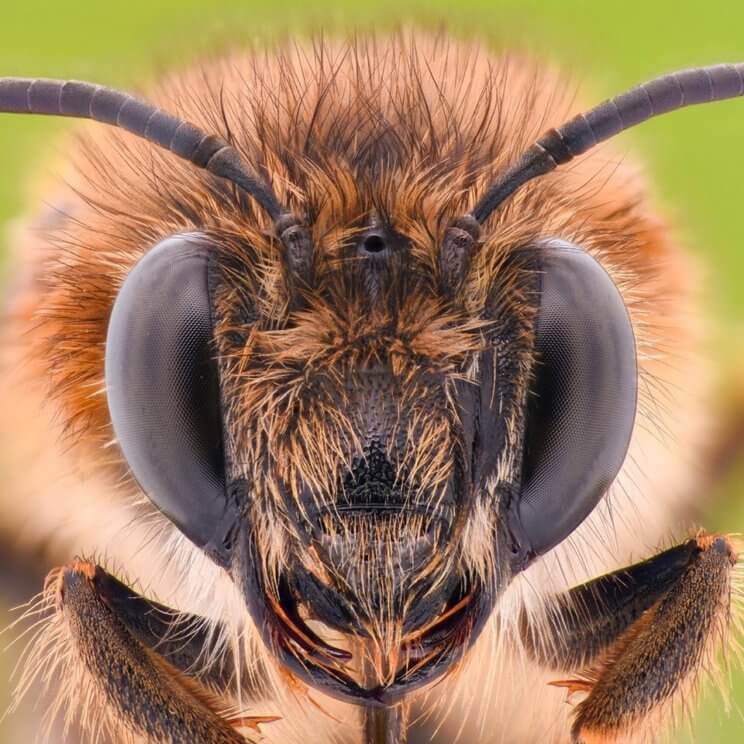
{"points": [[636, 638], [133, 668], [187, 642]]}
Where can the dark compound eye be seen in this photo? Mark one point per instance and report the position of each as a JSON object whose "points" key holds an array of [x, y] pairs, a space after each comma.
{"points": [[163, 389], [583, 399]]}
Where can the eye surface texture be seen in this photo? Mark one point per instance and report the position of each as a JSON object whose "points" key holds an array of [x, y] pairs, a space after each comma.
{"points": [[582, 401], [163, 389]]}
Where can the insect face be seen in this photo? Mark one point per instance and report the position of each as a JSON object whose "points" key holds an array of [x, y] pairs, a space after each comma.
{"points": [[347, 459], [367, 388]]}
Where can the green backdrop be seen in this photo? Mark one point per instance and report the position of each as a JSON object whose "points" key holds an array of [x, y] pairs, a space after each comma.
{"points": [[697, 155]]}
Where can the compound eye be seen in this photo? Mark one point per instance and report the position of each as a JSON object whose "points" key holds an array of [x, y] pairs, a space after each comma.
{"points": [[582, 401], [163, 389]]}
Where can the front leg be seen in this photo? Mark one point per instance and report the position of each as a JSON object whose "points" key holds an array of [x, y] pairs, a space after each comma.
{"points": [[125, 671], [636, 638]]}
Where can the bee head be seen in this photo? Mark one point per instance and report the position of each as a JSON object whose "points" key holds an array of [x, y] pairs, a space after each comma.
{"points": [[372, 397], [382, 457]]}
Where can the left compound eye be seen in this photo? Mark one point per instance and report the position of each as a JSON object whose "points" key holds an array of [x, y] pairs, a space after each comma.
{"points": [[163, 389], [582, 400]]}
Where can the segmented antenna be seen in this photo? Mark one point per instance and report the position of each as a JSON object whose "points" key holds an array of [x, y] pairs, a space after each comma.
{"points": [[658, 96], [89, 101], [208, 151]]}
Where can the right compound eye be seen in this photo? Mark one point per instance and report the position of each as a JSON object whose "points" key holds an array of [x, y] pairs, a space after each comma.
{"points": [[163, 389], [582, 404]]}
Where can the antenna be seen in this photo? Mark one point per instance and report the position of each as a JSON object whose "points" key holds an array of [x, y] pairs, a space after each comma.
{"points": [[209, 151], [96, 102], [658, 96]]}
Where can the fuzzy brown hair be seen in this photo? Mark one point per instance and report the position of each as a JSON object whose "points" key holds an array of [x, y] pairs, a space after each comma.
{"points": [[407, 130], [404, 130]]}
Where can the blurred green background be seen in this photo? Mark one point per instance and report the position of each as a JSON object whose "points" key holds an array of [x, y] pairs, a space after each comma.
{"points": [[696, 156]]}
